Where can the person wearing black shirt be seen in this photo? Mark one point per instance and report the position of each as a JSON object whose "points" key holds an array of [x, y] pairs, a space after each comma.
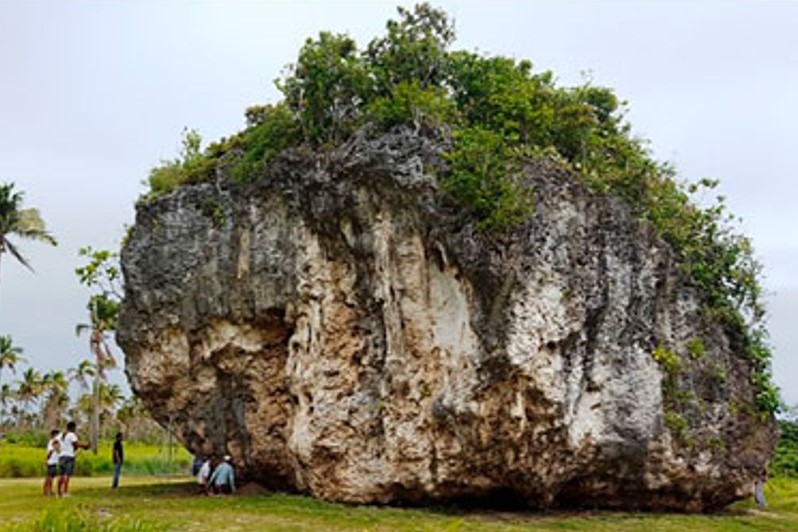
{"points": [[119, 458]]}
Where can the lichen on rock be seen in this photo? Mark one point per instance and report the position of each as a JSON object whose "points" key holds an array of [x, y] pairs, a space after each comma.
{"points": [[343, 331]]}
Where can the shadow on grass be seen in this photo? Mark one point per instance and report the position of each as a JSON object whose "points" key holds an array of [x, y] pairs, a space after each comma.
{"points": [[254, 498], [172, 489]]}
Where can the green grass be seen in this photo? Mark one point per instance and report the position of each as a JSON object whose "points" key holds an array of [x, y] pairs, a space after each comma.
{"points": [[21, 460], [149, 503]]}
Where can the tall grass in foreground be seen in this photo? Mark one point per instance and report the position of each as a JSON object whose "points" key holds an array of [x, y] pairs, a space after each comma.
{"points": [[83, 519], [21, 461]]}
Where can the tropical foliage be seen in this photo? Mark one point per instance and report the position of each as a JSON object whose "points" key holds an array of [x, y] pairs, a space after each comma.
{"points": [[10, 355], [190, 167], [785, 460], [102, 275], [39, 402], [19, 222]]}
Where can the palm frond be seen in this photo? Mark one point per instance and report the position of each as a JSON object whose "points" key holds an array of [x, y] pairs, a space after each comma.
{"points": [[17, 255], [31, 226]]}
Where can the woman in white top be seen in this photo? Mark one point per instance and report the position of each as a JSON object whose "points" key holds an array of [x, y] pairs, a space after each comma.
{"points": [[53, 452], [203, 475]]}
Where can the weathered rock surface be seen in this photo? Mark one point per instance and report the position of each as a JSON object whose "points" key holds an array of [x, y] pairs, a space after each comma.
{"points": [[343, 333]]}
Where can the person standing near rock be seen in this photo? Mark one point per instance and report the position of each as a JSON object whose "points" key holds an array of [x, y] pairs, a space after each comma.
{"points": [[759, 489], [119, 458], [53, 453], [66, 461]]}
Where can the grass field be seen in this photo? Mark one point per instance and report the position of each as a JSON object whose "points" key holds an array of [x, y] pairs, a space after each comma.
{"points": [[146, 503], [22, 460]]}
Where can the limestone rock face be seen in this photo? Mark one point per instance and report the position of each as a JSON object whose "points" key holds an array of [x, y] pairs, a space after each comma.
{"points": [[342, 332]]}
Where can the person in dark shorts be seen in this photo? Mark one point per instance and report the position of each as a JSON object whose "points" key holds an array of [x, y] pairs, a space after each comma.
{"points": [[53, 452], [66, 461], [119, 458]]}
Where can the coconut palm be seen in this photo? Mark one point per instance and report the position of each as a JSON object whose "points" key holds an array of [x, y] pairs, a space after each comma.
{"points": [[101, 274], [111, 396], [136, 421], [83, 408], [24, 223], [29, 389], [103, 311], [81, 373], [55, 386], [6, 398], [10, 355], [130, 410]]}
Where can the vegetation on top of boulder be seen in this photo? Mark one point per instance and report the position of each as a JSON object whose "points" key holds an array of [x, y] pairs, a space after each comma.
{"points": [[502, 115]]}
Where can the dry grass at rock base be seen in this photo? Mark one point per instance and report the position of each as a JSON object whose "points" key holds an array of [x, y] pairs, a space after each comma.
{"points": [[151, 503]]}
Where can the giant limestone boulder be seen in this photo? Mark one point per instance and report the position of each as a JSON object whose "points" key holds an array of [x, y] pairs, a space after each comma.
{"points": [[344, 331]]}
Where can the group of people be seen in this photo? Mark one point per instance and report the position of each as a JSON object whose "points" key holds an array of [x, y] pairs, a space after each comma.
{"points": [[215, 476], [60, 459]]}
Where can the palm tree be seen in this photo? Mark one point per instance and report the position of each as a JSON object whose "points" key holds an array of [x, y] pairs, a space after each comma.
{"points": [[6, 396], [130, 409], [110, 397], [24, 223], [103, 312], [10, 355], [83, 408], [103, 275], [76, 413], [29, 389], [136, 421], [81, 373], [55, 386]]}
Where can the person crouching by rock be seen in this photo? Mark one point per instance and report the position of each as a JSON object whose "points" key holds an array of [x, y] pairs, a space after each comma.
{"points": [[204, 475], [759, 489], [223, 478]]}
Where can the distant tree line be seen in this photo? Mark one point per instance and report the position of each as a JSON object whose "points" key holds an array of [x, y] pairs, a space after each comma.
{"points": [[40, 401]]}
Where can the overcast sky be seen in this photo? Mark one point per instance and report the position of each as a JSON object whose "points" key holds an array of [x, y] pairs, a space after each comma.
{"points": [[93, 94]]}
